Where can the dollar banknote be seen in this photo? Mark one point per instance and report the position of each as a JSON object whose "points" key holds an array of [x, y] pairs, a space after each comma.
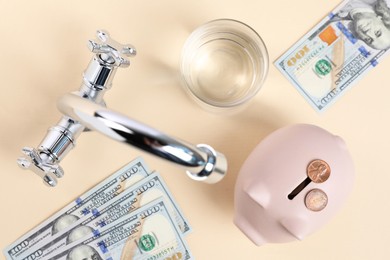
{"points": [[138, 195], [80, 207], [338, 51], [147, 233]]}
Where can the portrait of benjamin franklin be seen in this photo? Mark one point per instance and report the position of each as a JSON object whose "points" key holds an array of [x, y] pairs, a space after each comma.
{"points": [[63, 222], [83, 252], [370, 21]]}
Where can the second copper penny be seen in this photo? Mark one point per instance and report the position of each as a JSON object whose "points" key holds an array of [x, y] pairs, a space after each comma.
{"points": [[318, 171]]}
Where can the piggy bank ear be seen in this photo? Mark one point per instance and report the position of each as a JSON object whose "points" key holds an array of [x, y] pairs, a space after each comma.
{"points": [[258, 193], [296, 226]]}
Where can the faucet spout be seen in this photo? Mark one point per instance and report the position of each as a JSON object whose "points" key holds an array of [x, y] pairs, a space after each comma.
{"points": [[203, 163]]}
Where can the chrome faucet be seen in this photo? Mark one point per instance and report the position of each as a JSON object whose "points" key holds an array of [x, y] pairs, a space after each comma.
{"points": [[86, 110]]}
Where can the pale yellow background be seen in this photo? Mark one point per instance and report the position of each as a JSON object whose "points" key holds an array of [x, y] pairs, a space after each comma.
{"points": [[43, 54]]}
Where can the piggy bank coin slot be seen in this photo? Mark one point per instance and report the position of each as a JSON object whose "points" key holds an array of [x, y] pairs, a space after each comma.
{"points": [[299, 188]]}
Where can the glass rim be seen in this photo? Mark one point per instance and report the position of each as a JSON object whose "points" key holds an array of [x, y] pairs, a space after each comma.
{"points": [[260, 75]]}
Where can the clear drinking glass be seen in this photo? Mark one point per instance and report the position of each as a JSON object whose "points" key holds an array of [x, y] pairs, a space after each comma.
{"points": [[224, 63]]}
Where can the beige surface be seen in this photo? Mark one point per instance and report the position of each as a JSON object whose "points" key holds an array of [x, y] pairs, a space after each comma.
{"points": [[43, 54]]}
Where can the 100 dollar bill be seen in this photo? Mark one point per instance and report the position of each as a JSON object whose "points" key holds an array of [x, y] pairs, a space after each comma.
{"points": [[82, 206], [147, 233], [141, 193], [344, 46]]}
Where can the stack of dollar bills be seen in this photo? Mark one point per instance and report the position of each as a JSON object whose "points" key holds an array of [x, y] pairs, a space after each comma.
{"points": [[130, 215]]}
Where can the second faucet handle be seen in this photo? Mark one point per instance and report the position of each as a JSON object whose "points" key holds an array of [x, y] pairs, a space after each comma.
{"points": [[111, 51], [33, 160]]}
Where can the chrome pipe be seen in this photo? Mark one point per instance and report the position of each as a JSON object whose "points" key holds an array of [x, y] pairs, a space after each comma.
{"points": [[202, 162]]}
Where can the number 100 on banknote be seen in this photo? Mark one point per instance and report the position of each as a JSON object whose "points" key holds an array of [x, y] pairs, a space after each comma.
{"points": [[339, 50]]}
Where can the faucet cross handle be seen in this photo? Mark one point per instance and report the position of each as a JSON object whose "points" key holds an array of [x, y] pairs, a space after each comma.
{"points": [[35, 161], [112, 52]]}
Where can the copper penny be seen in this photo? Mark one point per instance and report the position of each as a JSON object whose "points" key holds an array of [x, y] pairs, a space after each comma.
{"points": [[316, 200], [318, 171]]}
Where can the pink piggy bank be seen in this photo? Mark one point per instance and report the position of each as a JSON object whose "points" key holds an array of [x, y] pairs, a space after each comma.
{"points": [[292, 183]]}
